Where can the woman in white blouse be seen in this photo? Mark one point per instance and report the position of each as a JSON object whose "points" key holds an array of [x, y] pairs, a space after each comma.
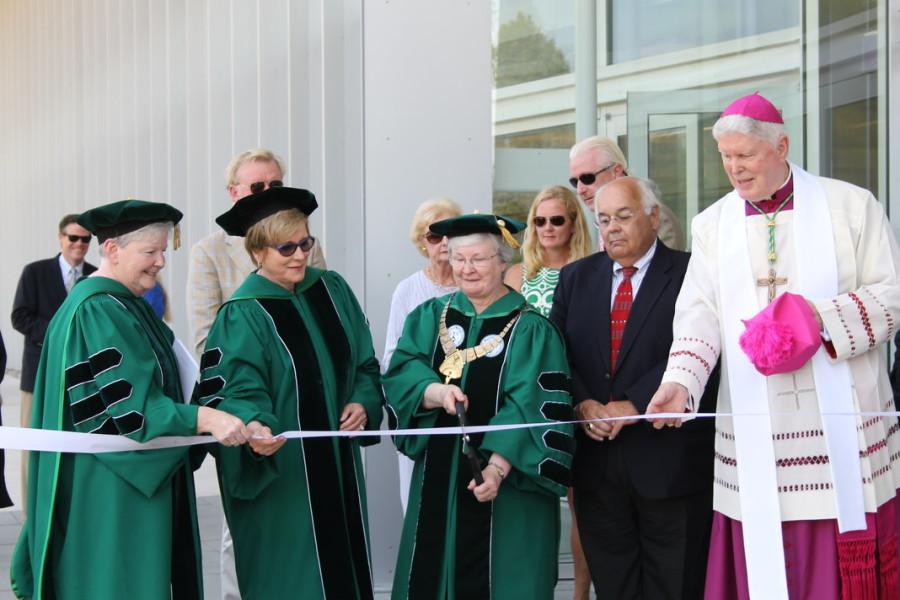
{"points": [[435, 280]]}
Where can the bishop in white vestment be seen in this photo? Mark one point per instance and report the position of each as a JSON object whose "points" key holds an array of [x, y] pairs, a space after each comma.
{"points": [[805, 481]]}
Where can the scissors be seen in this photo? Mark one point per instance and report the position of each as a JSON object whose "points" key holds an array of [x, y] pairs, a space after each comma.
{"points": [[468, 450]]}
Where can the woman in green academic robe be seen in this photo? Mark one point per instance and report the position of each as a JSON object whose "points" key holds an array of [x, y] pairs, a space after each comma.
{"points": [[291, 350], [484, 347], [117, 524]]}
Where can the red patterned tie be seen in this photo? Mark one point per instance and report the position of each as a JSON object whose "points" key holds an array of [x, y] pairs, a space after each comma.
{"points": [[618, 316]]}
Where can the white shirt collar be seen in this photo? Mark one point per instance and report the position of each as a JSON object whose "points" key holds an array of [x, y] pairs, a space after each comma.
{"points": [[64, 266], [639, 263]]}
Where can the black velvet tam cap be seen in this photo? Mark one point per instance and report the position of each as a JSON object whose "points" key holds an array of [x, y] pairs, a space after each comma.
{"points": [[479, 223], [252, 209], [118, 218]]}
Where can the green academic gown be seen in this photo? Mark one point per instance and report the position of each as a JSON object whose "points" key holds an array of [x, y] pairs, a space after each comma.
{"points": [[110, 525], [294, 360], [452, 545]]}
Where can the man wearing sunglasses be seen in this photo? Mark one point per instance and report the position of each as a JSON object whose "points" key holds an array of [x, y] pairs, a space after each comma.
{"points": [[219, 264], [597, 160], [42, 288]]}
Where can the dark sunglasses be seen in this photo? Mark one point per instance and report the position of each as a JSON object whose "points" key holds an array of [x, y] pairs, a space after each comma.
{"points": [[589, 178], [433, 238], [287, 249], [555, 220], [258, 186], [84, 239]]}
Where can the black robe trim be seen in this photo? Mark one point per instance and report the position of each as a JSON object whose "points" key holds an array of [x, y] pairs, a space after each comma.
{"points": [[554, 381], [557, 411], [78, 374], [559, 441], [472, 577], [186, 577], [87, 408], [212, 402], [211, 358], [107, 427], [334, 496], [115, 391], [556, 472], [105, 360], [208, 387], [130, 422]]}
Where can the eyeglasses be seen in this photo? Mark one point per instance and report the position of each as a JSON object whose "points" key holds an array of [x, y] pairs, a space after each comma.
{"points": [[433, 238], [589, 178], [84, 239], [604, 221], [477, 262], [287, 249], [555, 220], [258, 186]]}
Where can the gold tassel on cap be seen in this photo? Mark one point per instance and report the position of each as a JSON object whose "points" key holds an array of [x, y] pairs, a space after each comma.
{"points": [[507, 236], [176, 237]]}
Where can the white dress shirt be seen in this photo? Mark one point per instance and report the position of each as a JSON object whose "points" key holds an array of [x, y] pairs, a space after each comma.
{"points": [[636, 279]]}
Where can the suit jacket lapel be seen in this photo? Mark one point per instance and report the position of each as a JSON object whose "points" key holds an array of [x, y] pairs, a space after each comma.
{"points": [[603, 295], [57, 282], [653, 284], [238, 255]]}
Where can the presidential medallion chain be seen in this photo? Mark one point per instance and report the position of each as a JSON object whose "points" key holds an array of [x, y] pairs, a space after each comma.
{"points": [[455, 359]]}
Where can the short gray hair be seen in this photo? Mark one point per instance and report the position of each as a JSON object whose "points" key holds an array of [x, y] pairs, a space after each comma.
{"points": [[147, 231], [645, 188], [730, 124], [253, 155], [606, 146], [504, 252]]}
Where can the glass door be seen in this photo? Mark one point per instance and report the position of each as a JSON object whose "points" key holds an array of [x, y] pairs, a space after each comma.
{"points": [[670, 141]]}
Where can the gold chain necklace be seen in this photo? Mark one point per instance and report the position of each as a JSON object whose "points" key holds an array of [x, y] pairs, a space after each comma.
{"points": [[454, 358], [770, 223], [772, 280]]}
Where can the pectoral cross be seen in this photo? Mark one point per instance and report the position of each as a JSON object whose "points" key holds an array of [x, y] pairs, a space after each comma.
{"points": [[771, 281]]}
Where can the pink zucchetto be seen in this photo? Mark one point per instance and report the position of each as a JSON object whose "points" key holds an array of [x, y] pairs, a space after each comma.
{"points": [[755, 107], [782, 337]]}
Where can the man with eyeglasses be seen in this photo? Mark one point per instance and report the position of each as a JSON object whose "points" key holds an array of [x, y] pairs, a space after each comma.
{"points": [[597, 160], [643, 501], [219, 265], [42, 288]]}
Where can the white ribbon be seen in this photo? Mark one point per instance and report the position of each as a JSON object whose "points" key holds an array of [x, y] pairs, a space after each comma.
{"points": [[45, 440]]}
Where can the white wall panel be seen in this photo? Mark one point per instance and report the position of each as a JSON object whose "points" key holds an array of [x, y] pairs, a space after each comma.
{"points": [[109, 99], [428, 134]]}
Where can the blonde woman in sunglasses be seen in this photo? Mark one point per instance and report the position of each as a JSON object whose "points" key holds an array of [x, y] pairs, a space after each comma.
{"points": [[557, 234], [291, 350]]}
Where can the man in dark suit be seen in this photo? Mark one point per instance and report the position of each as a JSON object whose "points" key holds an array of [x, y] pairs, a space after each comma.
{"points": [[42, 289], [643, 497]]}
